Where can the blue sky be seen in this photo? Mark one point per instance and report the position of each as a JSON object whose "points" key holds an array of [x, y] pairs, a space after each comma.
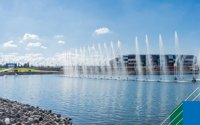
{"points": [[53, 26]]}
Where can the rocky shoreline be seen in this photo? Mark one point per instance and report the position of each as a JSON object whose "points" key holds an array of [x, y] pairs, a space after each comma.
{"points": [[15, 113]]}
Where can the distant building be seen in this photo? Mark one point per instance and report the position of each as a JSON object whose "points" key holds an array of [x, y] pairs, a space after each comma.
{"points": [[130, 60], [10, 65], [26, 65]]}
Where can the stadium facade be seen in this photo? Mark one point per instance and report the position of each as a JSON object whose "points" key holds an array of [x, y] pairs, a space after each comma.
{"points": [[188, 62]]}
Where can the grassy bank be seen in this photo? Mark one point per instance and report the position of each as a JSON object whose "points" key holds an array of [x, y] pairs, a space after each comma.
{"points": [[25, 70], [2, 69]]}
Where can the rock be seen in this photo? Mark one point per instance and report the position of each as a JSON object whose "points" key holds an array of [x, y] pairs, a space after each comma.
{"points": [[12, 120], [1, 122], [57, 120], [58, 115], [24, 110], [56, 123], [30, 109], [27, 123], [40, 119], [50, 111], [2, 113], [18, 123], [30, 119], [47, 123], [36, 120], [18, 115], [7, 121], [34, 112], [14, 113]]}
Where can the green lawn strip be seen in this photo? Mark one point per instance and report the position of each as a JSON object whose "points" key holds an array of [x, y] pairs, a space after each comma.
{"points": [[2, 69], [27, 70]]}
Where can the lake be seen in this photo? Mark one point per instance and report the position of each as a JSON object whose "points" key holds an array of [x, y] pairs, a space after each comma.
{"points": [[92, 101]]}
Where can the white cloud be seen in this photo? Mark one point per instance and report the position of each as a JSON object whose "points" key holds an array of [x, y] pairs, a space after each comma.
{"points": [[34, 55], [9, 44], [61, 42], [58, 36], [27, 48], [101, 31], [36, 44], [13, 53], [36, 59], [30, 37], [43, 47]]}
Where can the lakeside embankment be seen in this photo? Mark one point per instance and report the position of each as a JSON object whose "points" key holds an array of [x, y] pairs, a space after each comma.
{"points": [[15, 113], [29, 71]]}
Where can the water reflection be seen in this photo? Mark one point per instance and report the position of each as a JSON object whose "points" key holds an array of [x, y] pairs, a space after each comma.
{"points": [[90, 101]]}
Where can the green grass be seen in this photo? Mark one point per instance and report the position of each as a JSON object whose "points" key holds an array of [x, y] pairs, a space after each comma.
{"points": [[27, 70], [2, 69]]}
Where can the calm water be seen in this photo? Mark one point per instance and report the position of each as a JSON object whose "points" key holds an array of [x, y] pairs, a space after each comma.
{"points": [[90, 101]]}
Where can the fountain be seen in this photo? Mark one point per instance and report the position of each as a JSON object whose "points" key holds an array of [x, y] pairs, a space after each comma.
{"points": [[149, 66], [108, 62], [138, 61], [198, 66], [194, 69], [101, 63], [179, 60], [114, 64], [83, 64], [95, 62], [163, 65], [176, 41], [123, 68]]}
